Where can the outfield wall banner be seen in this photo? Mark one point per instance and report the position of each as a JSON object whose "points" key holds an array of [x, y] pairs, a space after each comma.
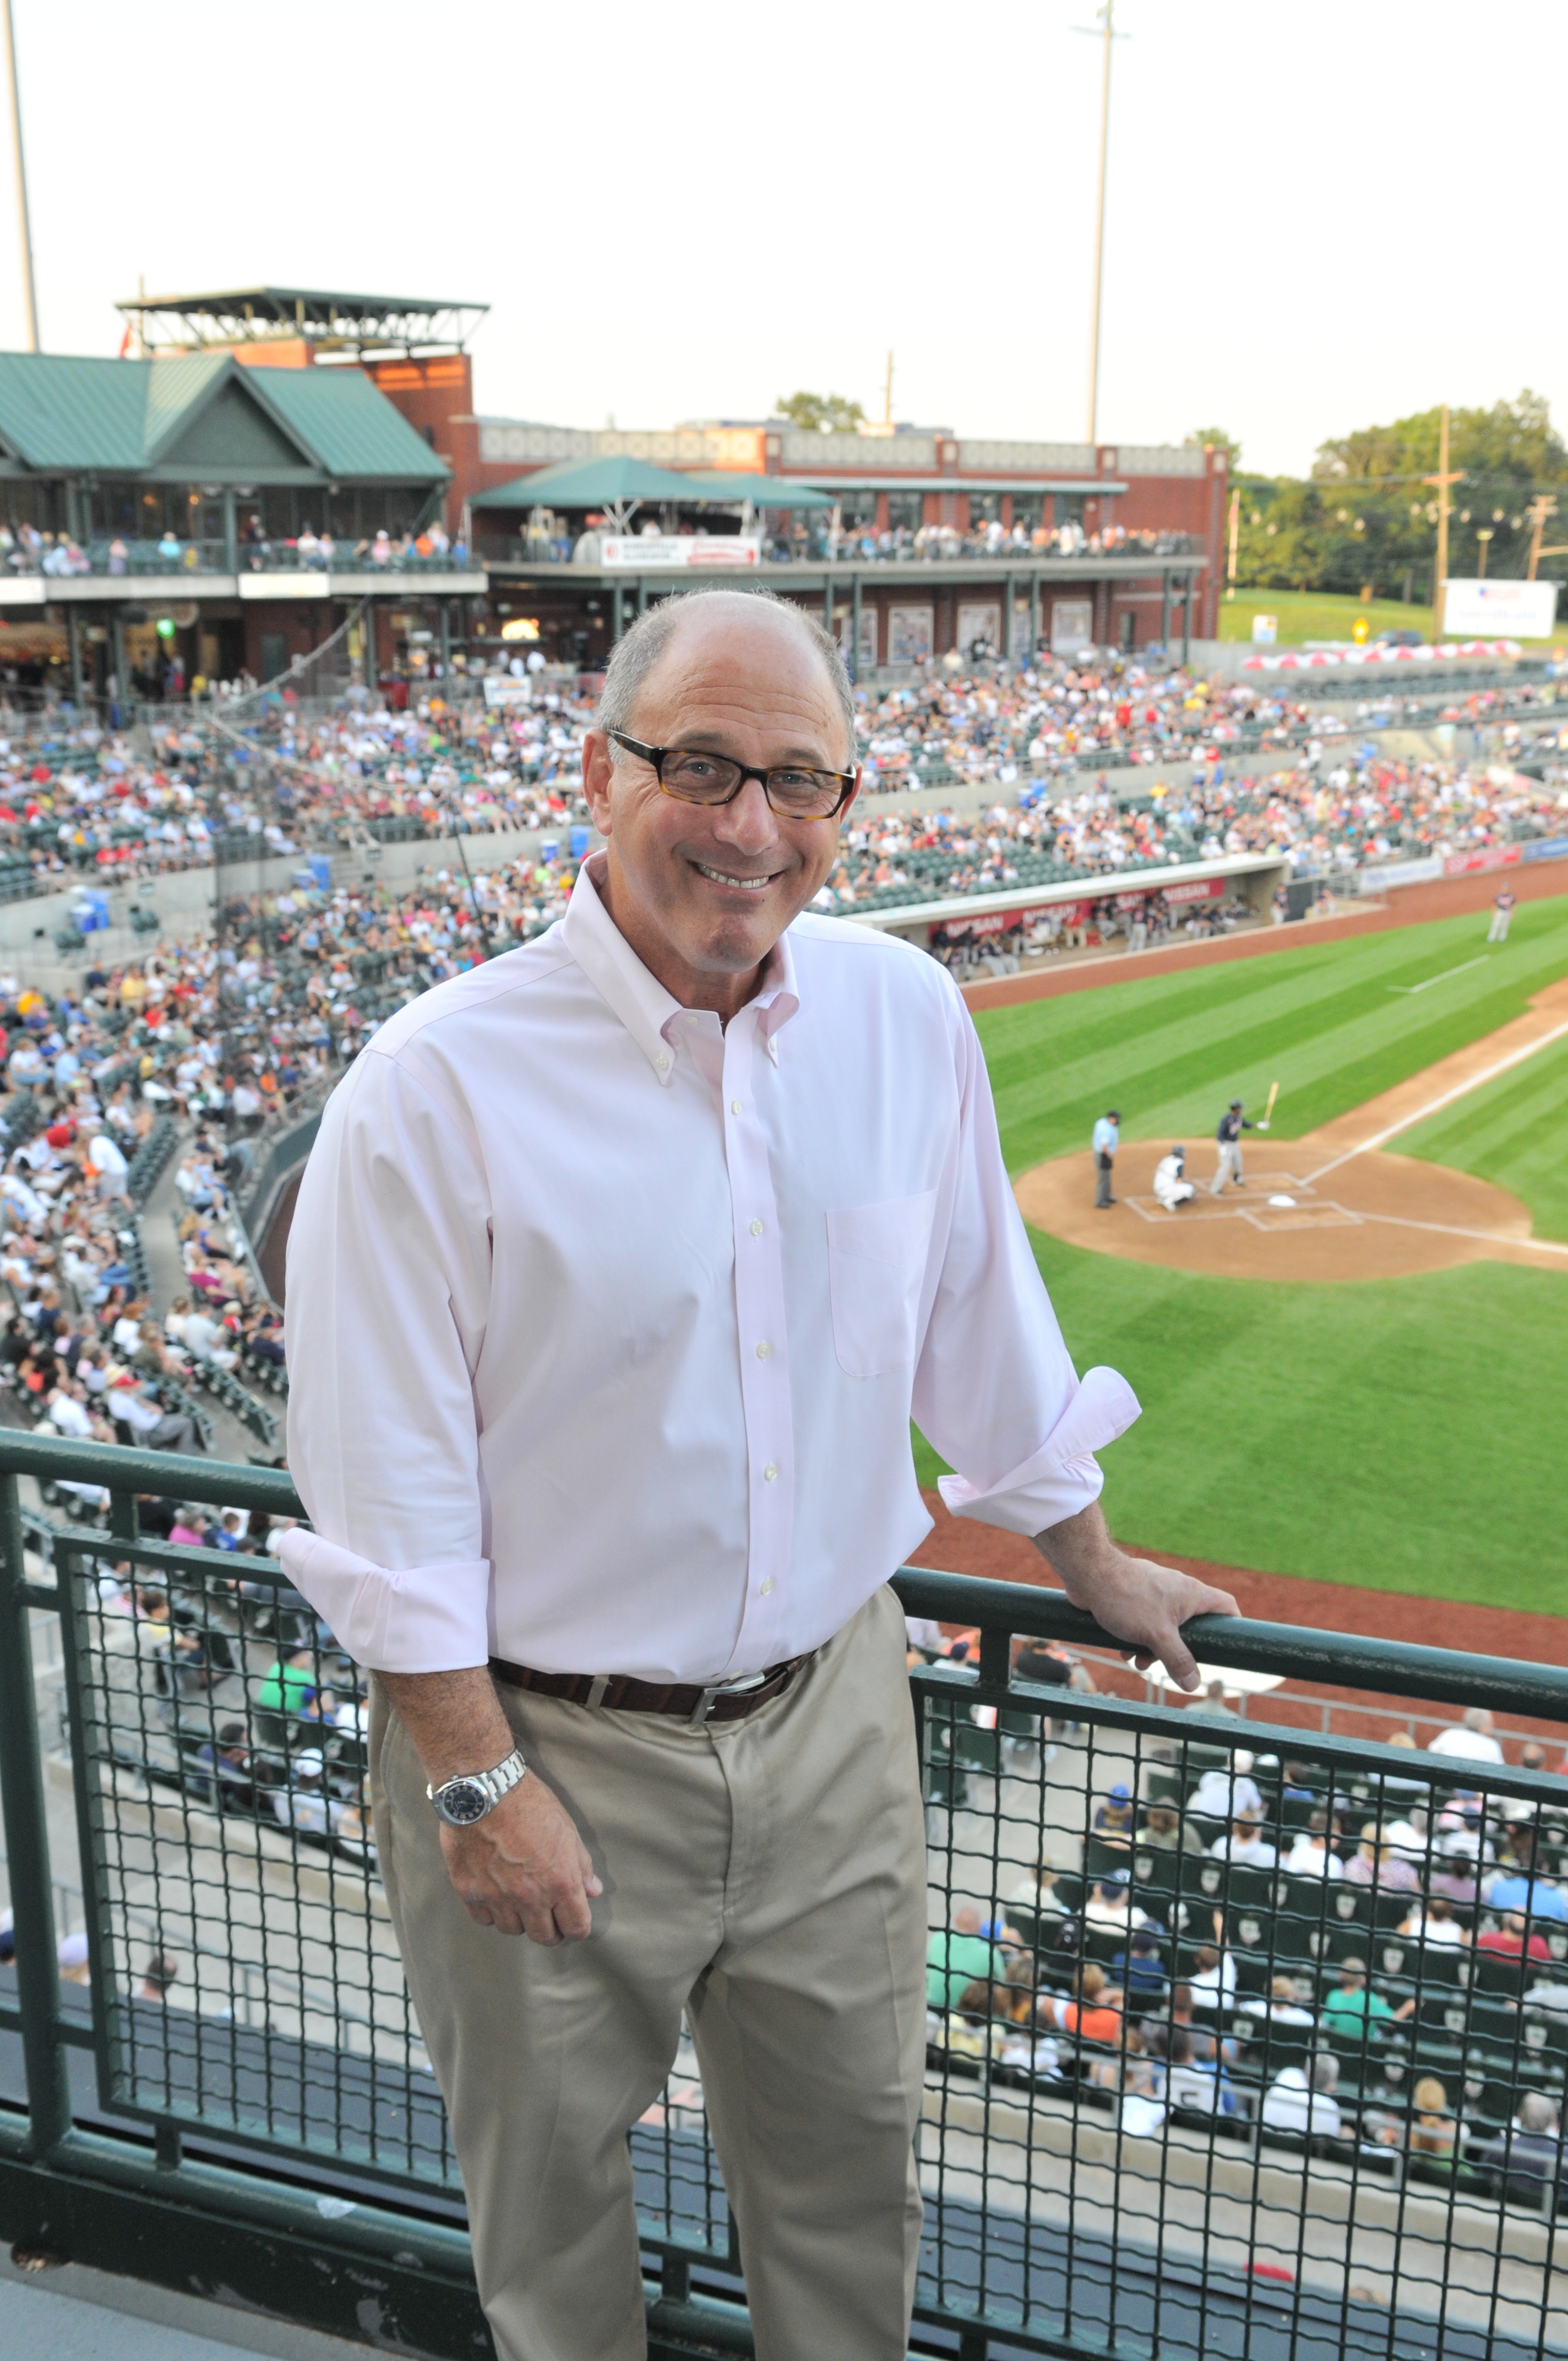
{"points": [[1551, 848], [1489, 856], [1525, 610], [657, 552], [1403, 873]]}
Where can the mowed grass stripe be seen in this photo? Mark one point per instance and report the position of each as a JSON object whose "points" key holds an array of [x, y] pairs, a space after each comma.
{"points": [[1513, 1131], [1320, 1020], [1401, 1436]]}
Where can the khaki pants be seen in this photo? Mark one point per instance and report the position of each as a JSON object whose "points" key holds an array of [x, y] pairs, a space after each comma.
{"points": [[767, 1876]]}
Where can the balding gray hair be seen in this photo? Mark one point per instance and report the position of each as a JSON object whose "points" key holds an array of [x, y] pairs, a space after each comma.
{"points": [[637, 652]]}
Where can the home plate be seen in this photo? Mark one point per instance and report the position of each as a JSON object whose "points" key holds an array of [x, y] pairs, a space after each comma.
{"points": [[1282, 1200]]}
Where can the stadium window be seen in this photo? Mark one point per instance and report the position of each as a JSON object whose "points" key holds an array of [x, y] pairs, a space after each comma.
{"points": [[904, 511]]}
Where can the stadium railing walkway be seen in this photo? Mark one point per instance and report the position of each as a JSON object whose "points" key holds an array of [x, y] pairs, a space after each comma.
{"points": [[1298, 2135]]}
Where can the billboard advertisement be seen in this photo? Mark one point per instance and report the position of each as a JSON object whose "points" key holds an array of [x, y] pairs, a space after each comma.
{"points": [[656, 553], [1517, 610]]}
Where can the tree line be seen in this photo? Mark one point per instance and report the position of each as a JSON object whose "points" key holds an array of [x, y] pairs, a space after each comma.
{"points": [[1365, 520]]}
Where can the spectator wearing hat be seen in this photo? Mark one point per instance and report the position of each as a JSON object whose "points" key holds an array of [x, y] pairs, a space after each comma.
{"points": [[1113, 1819]]}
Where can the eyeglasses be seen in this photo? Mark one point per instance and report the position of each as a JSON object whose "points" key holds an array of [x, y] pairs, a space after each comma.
{"points": [[699, 778]]}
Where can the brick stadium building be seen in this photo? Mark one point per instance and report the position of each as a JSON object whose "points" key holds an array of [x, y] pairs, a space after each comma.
{"points": [[1171, 499], [238, 421]]}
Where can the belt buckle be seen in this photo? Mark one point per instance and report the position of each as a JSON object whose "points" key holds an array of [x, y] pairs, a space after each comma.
{"points": [[741, 1685]]}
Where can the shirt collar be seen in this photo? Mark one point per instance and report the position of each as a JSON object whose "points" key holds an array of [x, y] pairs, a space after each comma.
{"points": [[651, 1015]]}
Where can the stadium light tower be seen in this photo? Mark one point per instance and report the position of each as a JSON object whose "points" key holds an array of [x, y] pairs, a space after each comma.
{"points": [[1106, 33], [25, 218]]}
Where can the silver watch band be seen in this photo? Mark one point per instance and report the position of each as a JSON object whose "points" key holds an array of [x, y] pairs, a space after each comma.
{"points": [[471, 1795]]}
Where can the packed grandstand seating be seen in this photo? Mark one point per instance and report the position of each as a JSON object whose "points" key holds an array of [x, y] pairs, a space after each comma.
{"points": [[266, 776], [811, 542], [1362, 1961]]}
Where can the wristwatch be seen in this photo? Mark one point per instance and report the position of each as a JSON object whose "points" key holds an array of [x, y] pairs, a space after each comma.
{"points": [[462, 1801]]}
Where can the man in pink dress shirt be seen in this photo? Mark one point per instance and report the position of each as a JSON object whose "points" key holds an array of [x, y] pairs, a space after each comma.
{"points": [[619, 1270]]}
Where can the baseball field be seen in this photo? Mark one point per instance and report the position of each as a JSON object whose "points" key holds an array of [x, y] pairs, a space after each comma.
{"points": [[1365, 1381]]}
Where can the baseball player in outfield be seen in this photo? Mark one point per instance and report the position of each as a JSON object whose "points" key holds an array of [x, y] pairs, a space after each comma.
{"points": [[1502, 911], [1232, 1123]]}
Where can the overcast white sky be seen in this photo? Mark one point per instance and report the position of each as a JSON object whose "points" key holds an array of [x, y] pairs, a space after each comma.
{"points": [[1320, 216]]}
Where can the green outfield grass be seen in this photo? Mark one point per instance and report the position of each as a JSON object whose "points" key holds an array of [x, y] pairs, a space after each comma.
{"points": [[1403, 1435], [1331, 1022], [1317, 615], [1513, 1131]]}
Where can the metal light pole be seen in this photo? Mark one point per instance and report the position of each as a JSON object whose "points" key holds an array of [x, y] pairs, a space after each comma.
{"points": [[1107, 15], [1445, 479], [25, 218]]}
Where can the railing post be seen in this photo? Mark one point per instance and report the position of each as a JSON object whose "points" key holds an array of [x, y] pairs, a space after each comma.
{"points": [[26, 1845]]}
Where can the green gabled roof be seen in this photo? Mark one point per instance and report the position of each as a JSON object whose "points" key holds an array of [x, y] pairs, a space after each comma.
{"points": [[345, 419], [60, 413], [592, 484], [69, 413]]}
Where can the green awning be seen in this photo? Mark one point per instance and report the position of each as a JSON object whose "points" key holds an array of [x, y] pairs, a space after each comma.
{"points": [[595, 484], [762, 492]]}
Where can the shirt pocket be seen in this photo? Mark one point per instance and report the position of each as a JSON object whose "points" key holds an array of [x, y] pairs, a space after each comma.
{"points": [[876, 1262]]}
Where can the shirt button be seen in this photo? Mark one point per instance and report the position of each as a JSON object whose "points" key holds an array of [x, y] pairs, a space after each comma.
{"points": [[756, 1229], [763, 1349], [769, 1472], [662, 1061], [734, 1107], [766, 1587]]}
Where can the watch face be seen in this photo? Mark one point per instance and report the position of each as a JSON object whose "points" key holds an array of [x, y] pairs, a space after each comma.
{"points": [[464, 1800]]}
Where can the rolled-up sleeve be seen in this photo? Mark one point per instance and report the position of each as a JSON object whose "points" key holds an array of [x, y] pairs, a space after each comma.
{"points": [[996, 1390], [387, 1299]]}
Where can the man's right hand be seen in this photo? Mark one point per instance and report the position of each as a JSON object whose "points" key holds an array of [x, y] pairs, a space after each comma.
{"points": [[523, 1869]]}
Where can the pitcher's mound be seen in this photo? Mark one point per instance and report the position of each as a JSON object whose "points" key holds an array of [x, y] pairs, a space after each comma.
{"points": [[1374, 1217]]}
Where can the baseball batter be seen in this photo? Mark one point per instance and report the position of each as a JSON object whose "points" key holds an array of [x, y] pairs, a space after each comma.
{"points": [[1232, 1123]]}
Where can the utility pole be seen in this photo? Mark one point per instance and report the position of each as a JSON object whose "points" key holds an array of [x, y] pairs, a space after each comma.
{"points": [[1539, 509], [1483, 535], [1445, 479], [887, 397], [1106, 33], [1235, 533], [25, 218]]}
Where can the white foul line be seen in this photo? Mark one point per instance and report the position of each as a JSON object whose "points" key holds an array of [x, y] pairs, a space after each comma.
{"points": [[1490, 1237], [1461, 1089], [1443, 978]]}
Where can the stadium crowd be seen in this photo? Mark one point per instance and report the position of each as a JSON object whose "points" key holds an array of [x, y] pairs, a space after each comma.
{"points": [[1377, 1964]]}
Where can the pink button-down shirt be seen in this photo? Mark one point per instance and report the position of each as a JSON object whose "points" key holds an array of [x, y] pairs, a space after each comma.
{"points": [[606, 1323]]}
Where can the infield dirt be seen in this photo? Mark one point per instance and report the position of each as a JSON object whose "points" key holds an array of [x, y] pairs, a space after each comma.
{"points": [[1331, 1206]]}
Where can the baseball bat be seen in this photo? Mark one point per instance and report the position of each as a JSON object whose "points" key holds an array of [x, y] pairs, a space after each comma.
{"points": [[1268, 1110]]}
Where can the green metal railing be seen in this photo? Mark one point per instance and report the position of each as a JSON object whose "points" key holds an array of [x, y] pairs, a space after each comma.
{"points": [[1139, 2176]]}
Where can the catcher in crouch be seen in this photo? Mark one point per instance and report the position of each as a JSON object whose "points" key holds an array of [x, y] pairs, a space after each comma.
{"points": [[1171, 1185]]}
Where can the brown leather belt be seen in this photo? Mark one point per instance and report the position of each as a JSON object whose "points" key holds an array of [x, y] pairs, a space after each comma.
{"points": [[720, 1701]]}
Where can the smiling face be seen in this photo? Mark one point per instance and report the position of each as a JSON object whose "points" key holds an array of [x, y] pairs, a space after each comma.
{"points": [[702, 894]]}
